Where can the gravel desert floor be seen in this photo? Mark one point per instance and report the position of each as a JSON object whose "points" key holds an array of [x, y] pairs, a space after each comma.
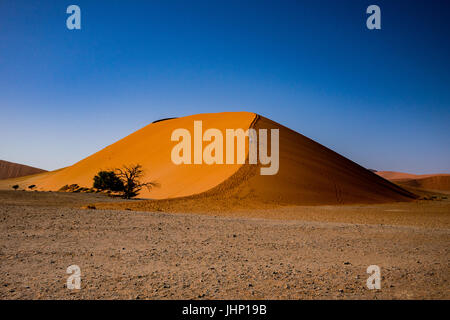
{"points": [[286, 253]]}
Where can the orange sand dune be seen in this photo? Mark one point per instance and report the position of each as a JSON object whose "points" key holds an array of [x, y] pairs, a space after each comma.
{"points": [[14, 170], [313, 174], [438, 182], [151, 147], [309, 173], [393, 175]]}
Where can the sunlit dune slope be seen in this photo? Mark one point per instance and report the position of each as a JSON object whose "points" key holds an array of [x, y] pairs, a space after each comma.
{"points": [[438, 182], [309, 173], [151, 147]]}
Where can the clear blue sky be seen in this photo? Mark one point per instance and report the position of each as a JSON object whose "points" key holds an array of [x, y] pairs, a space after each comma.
{"points": [[381, 98]]}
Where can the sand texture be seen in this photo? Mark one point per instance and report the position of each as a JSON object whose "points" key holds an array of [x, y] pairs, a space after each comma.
{"points": [[319, 252]]}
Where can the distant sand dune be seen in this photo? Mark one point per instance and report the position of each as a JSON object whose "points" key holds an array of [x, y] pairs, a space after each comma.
{"points": [[14, 170], [309, 173], [438, 182]]}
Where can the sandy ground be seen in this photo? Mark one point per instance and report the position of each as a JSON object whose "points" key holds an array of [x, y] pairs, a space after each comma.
{"points": [[320, 253]]}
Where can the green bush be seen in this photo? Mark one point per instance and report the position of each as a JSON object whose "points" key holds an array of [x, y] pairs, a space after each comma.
{"points": [[126, 180], [108, 180]]}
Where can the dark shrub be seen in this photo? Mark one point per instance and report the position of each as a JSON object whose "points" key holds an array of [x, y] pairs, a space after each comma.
{"points": [[64, 188], [108, 180], [126, 180], [131, 176]]}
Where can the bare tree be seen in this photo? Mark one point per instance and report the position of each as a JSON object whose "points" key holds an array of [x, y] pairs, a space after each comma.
{"points": [[131, 176]]}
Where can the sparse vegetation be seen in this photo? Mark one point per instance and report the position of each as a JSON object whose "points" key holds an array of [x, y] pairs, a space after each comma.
{"points": [[64, 188], [32, 187], [127, 180], [131, 177], [108, 180], [15, 187], [70, 188]]}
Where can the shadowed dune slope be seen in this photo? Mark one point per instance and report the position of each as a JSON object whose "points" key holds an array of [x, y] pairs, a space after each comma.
{"points": [[438, 182], [14, 170], [309, 173]]}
